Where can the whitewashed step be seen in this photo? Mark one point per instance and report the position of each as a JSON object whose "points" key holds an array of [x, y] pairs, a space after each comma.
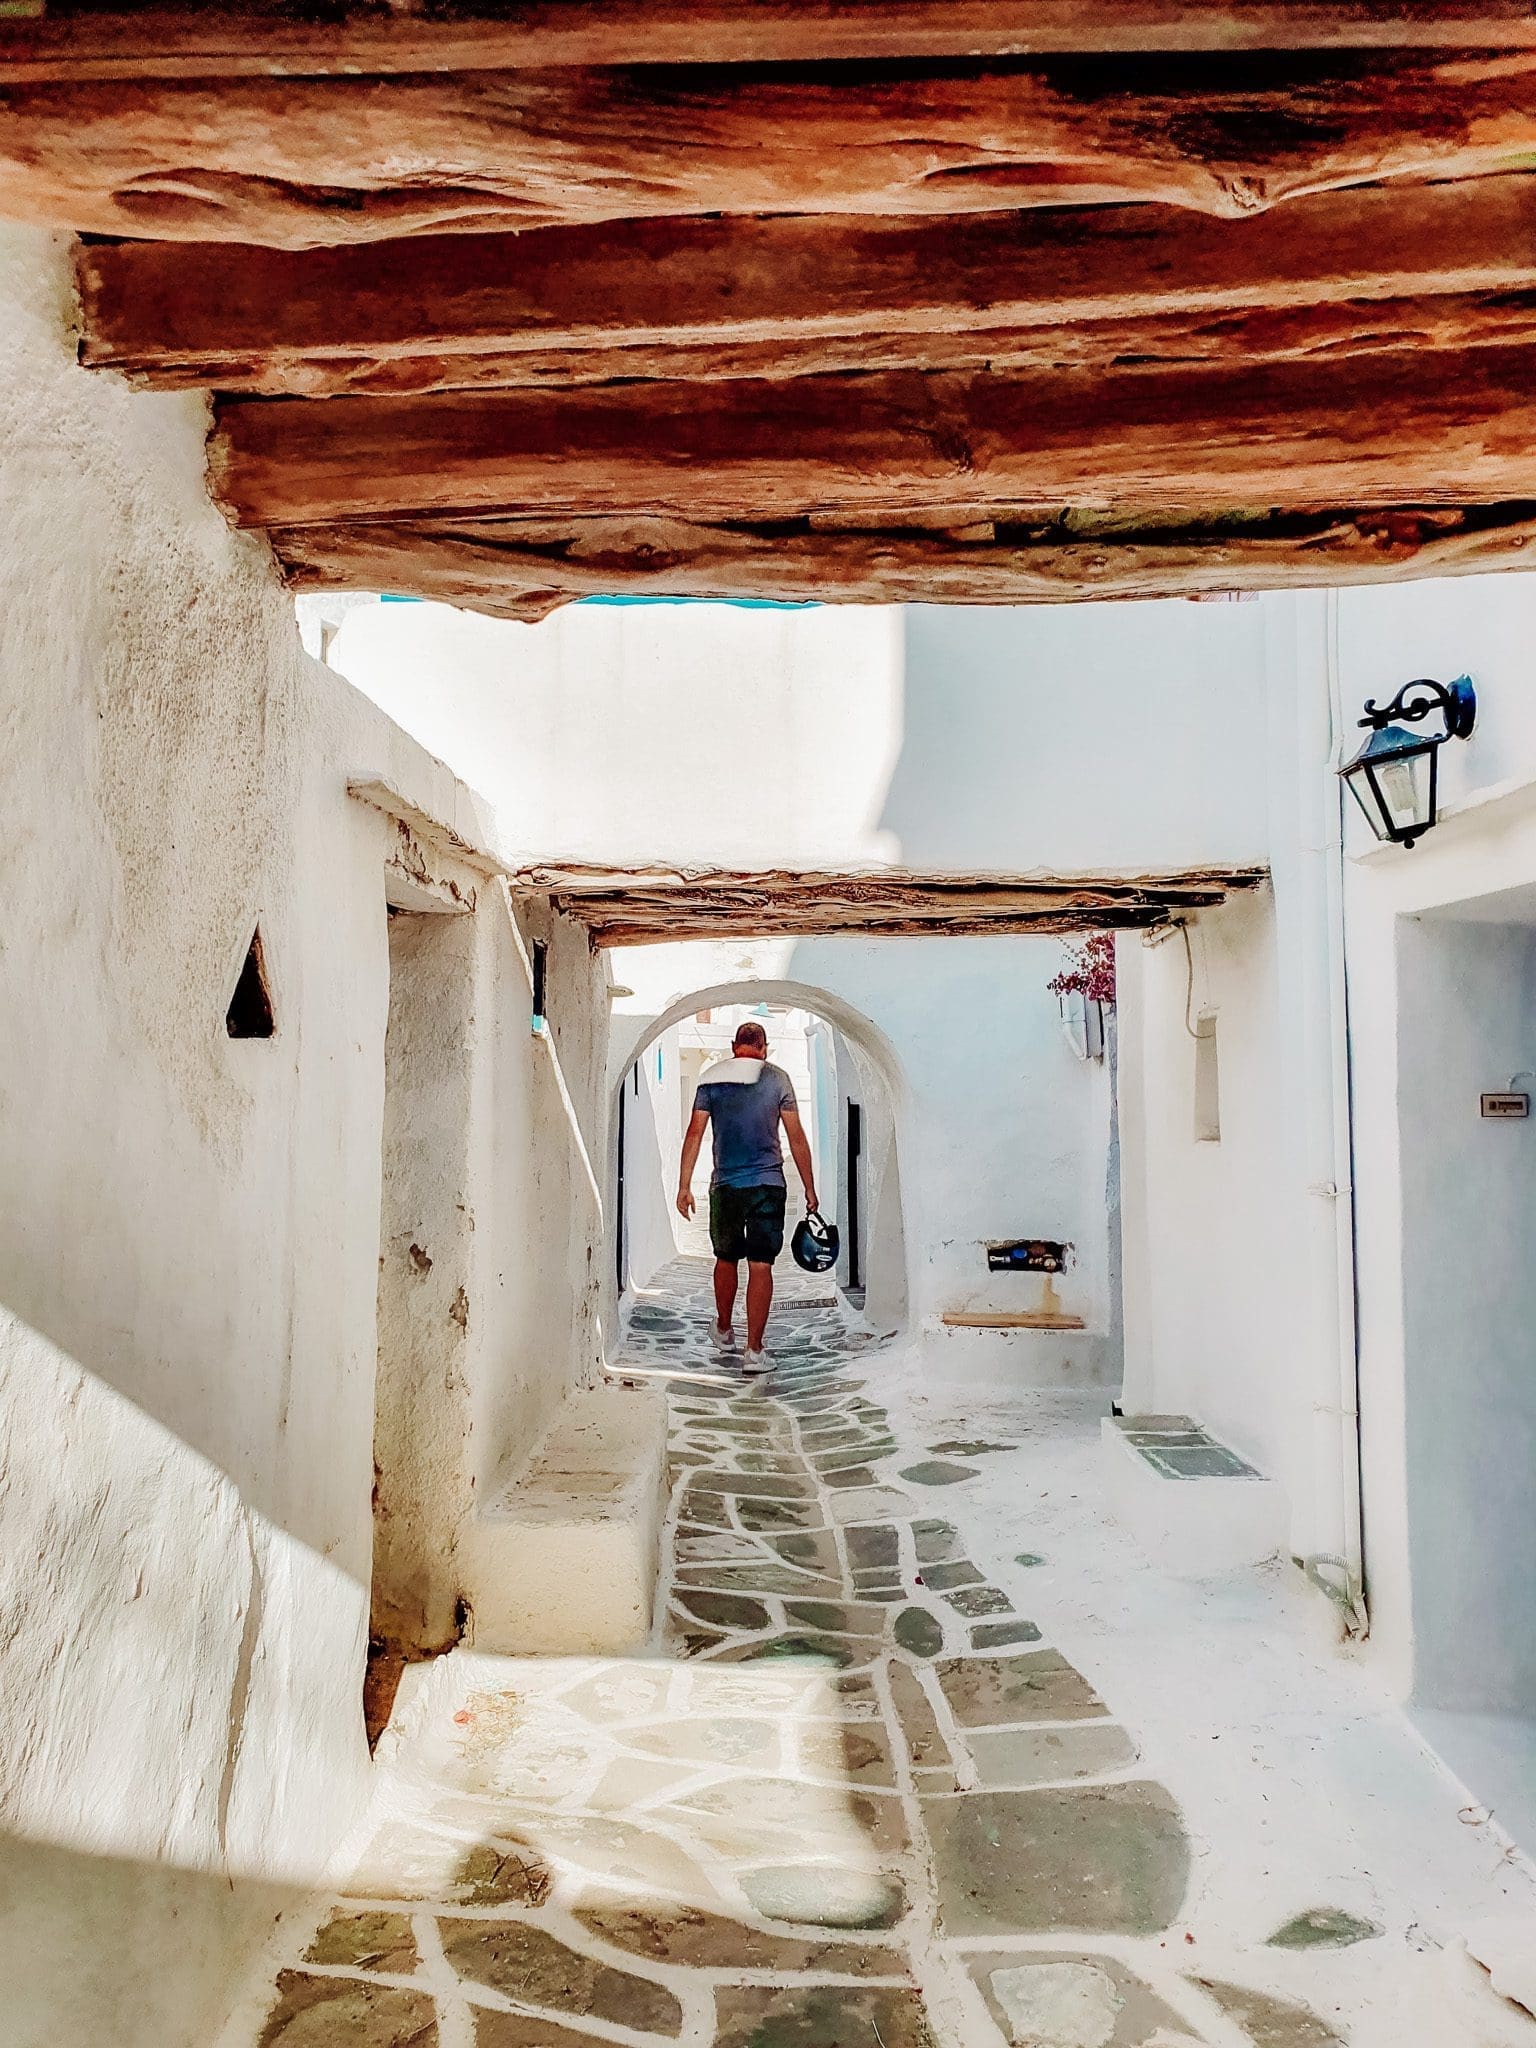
{"points": [[1195, 1506], [564, 1559]]}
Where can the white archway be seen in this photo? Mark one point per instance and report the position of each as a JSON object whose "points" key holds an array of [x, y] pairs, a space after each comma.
{"points": [[885, 1115]]}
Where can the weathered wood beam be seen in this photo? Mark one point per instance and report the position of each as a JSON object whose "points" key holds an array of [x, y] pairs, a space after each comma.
{"points": [[788, 921], [575, 878], [835, 902], [81, 39], [1367, 432], [1258, 335], [524, 569], [802, 294], [302, 162]]}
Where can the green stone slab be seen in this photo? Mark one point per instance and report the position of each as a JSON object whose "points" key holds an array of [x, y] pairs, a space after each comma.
{"points": [[814, 1550], [1323, 1927], [1270, 2022], [850, 1475], [532, 1967], [754, 1486], [940, 1577], [794, 1647], [748, 1579], [1110, 1859], [819, 2016], [873, 1548], [1052, 1998], [997, 1635], [918, 1632], [967, 1447], [1043, 1756], [778, 1514], [1028, 1558], [973, 1600], [836, 1617], [1037, 1685], [821, 1895], [937, 1472], [1199, 1461], [935, 1541], [725, 1610]]}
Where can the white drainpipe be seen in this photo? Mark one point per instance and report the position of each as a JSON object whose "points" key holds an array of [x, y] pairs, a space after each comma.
{"points": [[1330, 1134]]}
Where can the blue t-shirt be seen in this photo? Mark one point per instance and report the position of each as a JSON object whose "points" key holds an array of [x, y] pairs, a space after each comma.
{"points": [[744, 1121]]}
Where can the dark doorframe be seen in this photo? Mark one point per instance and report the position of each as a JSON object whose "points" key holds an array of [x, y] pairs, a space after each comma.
{"points": [[855, 1151], [618, 1212]]}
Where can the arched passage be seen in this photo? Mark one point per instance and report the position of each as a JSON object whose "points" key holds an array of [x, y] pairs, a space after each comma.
{"points": [[867, 1095]]}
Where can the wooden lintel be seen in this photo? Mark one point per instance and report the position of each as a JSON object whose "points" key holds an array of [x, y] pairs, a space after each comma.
{"points": [[643, 907], [71, 40], [523, 569], [1367, 432], [306, 161], [743, 297], [779, 923]]}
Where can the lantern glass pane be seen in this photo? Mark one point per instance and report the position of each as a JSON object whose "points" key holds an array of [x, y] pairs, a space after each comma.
{"points": [[1363, 790], [1402, 788]]}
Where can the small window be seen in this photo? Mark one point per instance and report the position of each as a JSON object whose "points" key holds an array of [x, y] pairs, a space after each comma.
{"points": [[540, 976], [1207, 1084], [250, 1007]]}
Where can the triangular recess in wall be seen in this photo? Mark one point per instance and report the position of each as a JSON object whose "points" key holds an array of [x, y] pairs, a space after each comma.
{"points": [[250, 1007]]}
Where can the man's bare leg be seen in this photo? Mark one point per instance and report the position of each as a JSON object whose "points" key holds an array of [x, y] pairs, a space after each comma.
{"points": [[759, 1301], [726, 1277]]}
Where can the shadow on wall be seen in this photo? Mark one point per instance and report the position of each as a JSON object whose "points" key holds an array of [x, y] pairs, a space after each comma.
{"points": [[126, 1983], [882, 1100]]}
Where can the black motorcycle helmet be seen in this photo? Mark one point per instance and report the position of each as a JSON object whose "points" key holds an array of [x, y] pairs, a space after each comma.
{"points": [[814, 1245]]}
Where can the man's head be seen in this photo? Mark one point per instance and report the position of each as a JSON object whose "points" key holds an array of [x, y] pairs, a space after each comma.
{"points": [[750, 1042]]}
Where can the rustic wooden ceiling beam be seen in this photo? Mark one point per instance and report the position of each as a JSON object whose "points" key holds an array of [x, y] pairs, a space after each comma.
{"points": [[302, 162], [1456, 321], [832, 910], [81, 39], [1367, 433], [577, 878], [523, 569], [803, 294], [786, 923]]}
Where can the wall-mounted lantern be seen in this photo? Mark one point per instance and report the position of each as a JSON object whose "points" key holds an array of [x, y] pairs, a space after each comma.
{"points": [[1394, 776]]}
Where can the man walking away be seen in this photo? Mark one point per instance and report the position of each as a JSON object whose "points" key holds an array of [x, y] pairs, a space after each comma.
{"points": [[746, 1100]]}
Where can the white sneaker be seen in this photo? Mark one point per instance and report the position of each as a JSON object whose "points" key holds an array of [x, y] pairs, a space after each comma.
{"points": [[724, 1339], [754, 1361]]}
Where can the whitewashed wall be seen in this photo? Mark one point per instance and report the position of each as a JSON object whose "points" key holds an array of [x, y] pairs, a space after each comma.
{"points": [[1232, 1250], [706, 732], [1438, 1016], [189, 1225], [948, 737]]}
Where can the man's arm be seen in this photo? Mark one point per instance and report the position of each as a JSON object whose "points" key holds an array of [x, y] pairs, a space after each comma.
{"points": [[693, 1138], [800, 1152]]}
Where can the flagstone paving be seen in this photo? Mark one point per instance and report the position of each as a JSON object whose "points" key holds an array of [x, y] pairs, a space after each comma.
{"points": [[829, 1807]]}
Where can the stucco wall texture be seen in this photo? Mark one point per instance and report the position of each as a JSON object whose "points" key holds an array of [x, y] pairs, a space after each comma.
{"points": [[190, 1224]]}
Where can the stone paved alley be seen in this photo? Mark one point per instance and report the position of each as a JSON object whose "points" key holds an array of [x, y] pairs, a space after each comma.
{"points": [[922, 1751]]}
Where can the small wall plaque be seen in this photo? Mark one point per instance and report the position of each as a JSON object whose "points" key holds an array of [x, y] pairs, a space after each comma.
{"points": [[1506, 1105]]}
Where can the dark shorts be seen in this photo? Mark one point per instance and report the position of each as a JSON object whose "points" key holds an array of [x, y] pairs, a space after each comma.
{"points": [[747, 1223]]}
